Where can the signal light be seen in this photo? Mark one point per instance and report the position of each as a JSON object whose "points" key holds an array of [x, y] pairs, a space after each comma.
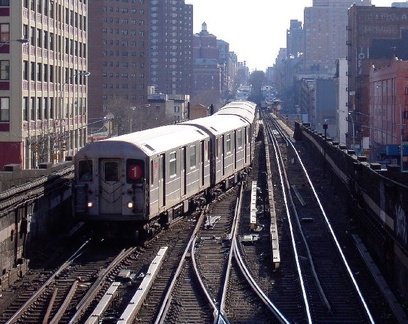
{"points": [[89, 204], [130, 205]]}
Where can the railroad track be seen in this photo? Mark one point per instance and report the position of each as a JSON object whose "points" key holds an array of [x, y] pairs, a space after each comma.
{"points": [[58, 296], [324, 276], [214, 269], [208, 271]]}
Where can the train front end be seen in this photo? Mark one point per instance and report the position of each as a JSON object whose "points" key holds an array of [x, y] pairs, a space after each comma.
{"points": [[110, 183]]}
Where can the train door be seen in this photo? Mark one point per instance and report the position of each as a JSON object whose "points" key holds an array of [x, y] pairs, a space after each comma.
{"points": [[110, 201], [235, 148], [246, 146], [183, 172], [222, 155], [154, 187], [162, 181], [203, 159]]}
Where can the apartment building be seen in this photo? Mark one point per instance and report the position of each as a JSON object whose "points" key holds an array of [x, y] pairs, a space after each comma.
{"points": [[170, 39], [325, 34], [118, 43], [43, 86]]}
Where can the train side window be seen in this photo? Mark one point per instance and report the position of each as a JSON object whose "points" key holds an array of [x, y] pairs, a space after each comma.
{"points": [[228, 143], [134, 171], [85, 170], [239, 138], [193, 156], [152, 165], [183, 159], [111, 171], [173, 163], [205, 150]]}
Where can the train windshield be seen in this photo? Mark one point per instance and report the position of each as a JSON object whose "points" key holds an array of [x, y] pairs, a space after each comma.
{"points": [[85, 170], [111, 171]]}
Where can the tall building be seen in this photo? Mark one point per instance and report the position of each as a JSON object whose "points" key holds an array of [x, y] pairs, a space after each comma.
{"points": [[223, 61], [170, 42], [206, 69], [43, 92], [325, 34], [294, 39], [119, 46]]}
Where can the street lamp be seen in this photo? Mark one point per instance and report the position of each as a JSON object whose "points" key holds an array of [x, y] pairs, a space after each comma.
{"points": [[133, 108], [22, 41]]}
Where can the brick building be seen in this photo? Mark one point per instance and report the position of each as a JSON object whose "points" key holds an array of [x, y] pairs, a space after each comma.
{"points": [[118, 41], [374, 34], [388, 108], [207, 72]]}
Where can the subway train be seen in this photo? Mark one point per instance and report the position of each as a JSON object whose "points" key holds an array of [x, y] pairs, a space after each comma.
{"points": [[141, 181]]}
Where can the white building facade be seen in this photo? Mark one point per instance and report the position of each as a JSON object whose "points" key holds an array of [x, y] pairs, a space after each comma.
{"points": [[43, 92]]}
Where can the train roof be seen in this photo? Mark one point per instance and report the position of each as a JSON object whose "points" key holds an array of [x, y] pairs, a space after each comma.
{"points": [[245, 109], [218, 124], [151, 142]]}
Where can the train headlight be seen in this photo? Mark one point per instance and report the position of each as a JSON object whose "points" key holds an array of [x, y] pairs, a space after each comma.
{"points": [[89, 204], [130, 205]]}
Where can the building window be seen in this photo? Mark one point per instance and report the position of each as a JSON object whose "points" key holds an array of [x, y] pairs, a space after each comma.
{"points": [[32, 108], [45, 73], [51, 101], [32, 36], [51, 41], [39, 108], [4, 109], [4, 32], [46, 108], [4, 70], [45, 42], [25, 70], [4, 3], [52, 9], [51, 73], [39, 37], [25, 31], [32, 72], [25, 108], [39, 72]]}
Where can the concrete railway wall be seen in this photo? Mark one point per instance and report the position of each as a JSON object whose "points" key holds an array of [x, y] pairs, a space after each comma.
{"points": [[378, 202], [35, 205]]}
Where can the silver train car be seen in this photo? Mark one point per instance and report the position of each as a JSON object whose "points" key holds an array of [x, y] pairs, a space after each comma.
{"points": [[145, 179]]}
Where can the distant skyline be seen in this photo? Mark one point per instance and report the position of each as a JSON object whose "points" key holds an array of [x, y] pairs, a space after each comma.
{"points": [[255, 30]]}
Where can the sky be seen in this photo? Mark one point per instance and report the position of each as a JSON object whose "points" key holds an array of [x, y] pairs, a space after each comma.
{"points": [[255, 29]]}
